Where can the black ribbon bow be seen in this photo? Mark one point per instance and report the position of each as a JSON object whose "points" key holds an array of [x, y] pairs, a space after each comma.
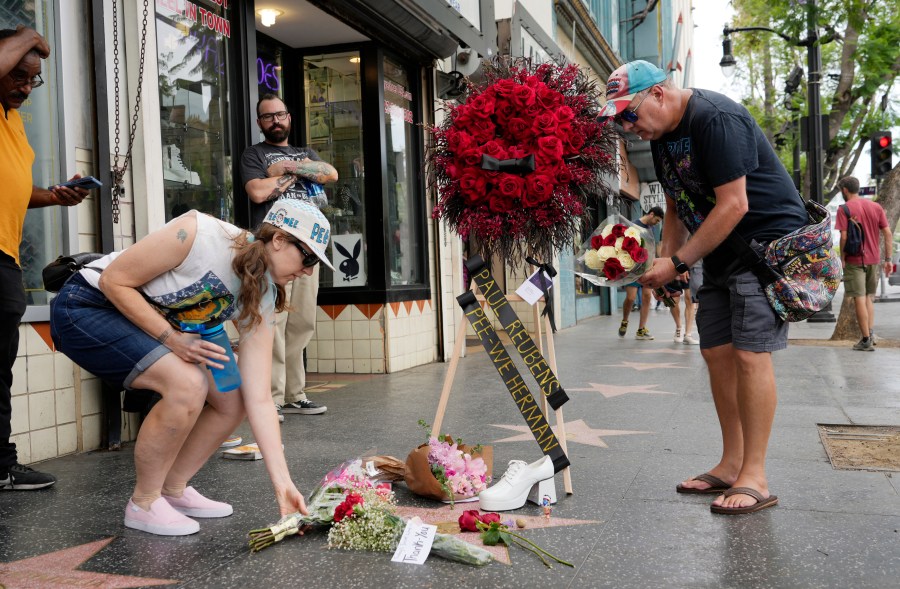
{"points": [[545, 288], [523, 165]]}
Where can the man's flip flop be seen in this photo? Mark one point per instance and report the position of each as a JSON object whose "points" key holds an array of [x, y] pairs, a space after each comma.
{"points": [[716, 485], [761, 502]]}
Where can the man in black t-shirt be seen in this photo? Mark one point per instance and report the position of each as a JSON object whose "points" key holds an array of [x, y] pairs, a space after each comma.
{"points": [[273, 170], [719, 174]]}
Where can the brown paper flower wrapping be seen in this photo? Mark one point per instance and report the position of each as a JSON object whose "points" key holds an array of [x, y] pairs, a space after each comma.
{"points": [[420, 479]]}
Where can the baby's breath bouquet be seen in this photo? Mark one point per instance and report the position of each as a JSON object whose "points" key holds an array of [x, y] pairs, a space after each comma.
{"points": [[362, 516], [367, 520]]}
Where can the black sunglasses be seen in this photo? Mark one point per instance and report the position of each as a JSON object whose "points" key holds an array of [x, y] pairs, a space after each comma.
{"points": [[630, 115], [309, 259]]}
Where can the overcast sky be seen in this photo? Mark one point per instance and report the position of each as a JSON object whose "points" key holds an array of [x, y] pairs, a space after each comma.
{"points": [[710, 16]]}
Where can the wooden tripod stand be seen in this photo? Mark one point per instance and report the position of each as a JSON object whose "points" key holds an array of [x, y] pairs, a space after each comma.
{"points": [[560, 429]]}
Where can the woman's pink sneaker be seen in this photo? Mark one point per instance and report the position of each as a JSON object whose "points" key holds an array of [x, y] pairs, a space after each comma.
{"points": [[161, 520], [194, 504]]}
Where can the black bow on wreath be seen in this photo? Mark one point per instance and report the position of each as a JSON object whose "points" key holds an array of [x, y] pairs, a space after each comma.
{"points": [[523, 165], [545, 288]]}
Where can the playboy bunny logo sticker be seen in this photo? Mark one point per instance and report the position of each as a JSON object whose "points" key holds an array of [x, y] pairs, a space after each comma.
{"points": [[348, 259]]}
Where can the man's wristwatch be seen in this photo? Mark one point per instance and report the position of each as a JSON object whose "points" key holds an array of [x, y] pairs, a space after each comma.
{"points": [[680, 266]]}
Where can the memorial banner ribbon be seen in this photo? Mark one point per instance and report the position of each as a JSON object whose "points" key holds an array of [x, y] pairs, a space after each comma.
{"points": [[537, 365], [545, 288], [511, 377]]}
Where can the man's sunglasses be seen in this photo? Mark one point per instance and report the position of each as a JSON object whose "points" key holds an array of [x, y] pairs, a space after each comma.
{"points": [[630, 115], [309, 259]]}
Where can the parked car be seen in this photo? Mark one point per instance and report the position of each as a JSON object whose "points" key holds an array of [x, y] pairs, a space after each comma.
{"points": [[894, 276]]}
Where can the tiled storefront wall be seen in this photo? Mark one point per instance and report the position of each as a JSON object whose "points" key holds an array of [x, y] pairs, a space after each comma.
{"points": [[53, 412], [348, 339]]}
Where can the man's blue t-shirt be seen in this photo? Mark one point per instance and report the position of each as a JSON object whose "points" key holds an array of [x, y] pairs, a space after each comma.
{"points": [[717, 142]]}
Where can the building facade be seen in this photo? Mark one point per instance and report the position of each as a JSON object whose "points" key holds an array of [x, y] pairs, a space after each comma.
{"points": [[159, 104]]}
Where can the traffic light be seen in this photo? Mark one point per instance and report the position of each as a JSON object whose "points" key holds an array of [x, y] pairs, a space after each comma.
{"points": [[882, 157]]}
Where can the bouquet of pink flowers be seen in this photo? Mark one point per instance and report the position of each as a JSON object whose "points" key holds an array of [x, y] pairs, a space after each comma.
{"points": [[446, 469], [461, 474]]}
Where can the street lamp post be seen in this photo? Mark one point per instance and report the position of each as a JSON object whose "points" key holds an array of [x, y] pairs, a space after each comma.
{"points": [[814, 135]]}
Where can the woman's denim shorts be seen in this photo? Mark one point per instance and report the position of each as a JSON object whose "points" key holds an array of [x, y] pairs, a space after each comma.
{"points": [[94, 334]]}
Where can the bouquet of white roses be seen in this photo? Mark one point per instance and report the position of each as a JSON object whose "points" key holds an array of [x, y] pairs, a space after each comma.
{"points": [[616, 253]]}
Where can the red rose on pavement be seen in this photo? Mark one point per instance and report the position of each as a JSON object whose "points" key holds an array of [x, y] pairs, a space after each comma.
{"points": [[468, 521], [596, 242], [489, 518], [613, 269], [618, 230], [610, 239]]}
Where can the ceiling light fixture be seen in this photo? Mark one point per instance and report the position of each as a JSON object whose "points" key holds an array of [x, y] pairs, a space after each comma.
{"points": [[267, 16]]}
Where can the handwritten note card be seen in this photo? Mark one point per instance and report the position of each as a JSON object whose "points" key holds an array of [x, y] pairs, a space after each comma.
{"points": [[415, 544]]}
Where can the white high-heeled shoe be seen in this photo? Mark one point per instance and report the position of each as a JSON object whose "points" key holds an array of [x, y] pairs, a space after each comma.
{"points": [[512, 490]]}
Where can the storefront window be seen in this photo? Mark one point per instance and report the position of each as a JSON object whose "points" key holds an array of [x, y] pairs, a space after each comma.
{"points": [[405, 246], [194, 53], [269, 69], [334, 129], [42, 234]]}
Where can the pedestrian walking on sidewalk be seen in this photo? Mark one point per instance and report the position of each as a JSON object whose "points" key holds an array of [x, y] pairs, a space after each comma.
{"points": [[719, 175], [862, 270], [653, 217], [122, 317]]}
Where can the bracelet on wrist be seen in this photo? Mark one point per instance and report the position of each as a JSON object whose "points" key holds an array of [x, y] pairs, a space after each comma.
{"points": [[164, 336]]}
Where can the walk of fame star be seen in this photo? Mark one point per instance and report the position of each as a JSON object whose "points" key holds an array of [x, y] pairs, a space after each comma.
{"points": [[576, 431], [611, 390], [59, 569], [446, 519]]}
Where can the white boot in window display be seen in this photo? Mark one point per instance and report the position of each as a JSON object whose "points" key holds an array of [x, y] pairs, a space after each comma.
{"points": [[520, 482], [174, 169]]}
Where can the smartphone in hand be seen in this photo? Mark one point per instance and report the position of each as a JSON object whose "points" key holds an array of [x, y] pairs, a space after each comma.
{"points": [[87, 183]]}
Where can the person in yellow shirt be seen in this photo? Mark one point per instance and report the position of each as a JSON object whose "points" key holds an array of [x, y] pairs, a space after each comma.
{"points": [[21, 52]]}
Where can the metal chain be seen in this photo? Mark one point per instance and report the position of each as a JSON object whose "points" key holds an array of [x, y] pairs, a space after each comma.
{"points": [[118, 172]]}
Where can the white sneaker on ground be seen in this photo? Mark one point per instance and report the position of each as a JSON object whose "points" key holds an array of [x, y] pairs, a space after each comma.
{"points": [[690, 340], [679, 336]]}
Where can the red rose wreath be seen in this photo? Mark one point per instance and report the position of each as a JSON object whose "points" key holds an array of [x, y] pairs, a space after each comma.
{"points": [[547, 111]]}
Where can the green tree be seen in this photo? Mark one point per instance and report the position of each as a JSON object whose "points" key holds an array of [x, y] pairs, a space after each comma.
{"points": [[860, 67]]}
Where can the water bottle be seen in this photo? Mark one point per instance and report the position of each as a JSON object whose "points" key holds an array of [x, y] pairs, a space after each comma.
{"points": [[315, 192], [227, 378]]}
